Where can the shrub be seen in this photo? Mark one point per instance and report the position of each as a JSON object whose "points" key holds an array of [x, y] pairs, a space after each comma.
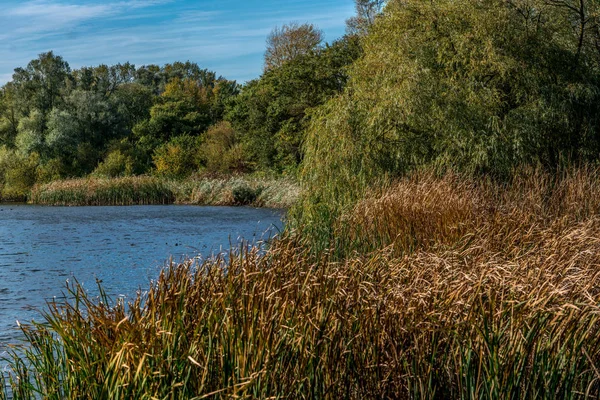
{"points": [[114, 165], [177, 158], [243, 194], [19, 174], [52, 170], [222, 152]]}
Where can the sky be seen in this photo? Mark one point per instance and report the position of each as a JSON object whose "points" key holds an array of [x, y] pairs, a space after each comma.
{"points": [[226, 36]]}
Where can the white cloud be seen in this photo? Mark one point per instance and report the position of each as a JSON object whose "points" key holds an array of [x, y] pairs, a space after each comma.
{"points": [[43, 16], [216, 36]]}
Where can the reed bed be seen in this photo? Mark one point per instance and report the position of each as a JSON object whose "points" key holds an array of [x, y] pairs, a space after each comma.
{"points": [[240, 190], [496, 296], [145, 190], [139, 190]]}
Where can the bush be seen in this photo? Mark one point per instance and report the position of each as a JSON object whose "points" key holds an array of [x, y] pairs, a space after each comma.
{"points": [[114, 165], [178, 158], [222, 152], [245, 195], [18, 174], [52, 170]]}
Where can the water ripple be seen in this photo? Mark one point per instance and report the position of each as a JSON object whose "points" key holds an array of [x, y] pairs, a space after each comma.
{"points": [[125, 247]]}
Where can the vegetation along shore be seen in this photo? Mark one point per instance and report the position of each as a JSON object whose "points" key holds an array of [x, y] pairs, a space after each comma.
{"points": [[145, 190], [444, 244]]}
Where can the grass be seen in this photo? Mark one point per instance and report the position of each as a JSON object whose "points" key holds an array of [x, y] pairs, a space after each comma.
{"points": [[239, 190], [144, 190], [450, 288]]}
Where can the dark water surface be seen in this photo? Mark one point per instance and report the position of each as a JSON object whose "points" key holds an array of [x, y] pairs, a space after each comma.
{"points": [[125, 247]]}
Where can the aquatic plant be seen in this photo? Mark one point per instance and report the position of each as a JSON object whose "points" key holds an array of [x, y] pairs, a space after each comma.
{"points": [[226, 191], [451, 288], [123, 191]]}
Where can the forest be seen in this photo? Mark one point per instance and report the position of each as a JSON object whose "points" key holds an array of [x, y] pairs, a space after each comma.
{"points": [[444, 244], [170, 121]]}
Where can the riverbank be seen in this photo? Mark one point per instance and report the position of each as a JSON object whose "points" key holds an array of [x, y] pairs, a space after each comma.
{"points": [[150, 190], [452, 288]]}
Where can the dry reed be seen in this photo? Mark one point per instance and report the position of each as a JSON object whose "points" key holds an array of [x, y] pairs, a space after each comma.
{"points": [[144, 190], [494, 295]]}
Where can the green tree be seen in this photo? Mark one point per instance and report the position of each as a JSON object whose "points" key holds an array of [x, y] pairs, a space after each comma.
{"points": [[222, 150], [183, 109], [30, 136], [9, 114], [480, 87], [178, 158], [271, 113], [42, 83]]}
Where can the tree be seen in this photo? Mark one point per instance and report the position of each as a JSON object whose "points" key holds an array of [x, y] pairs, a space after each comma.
{"points": [[366, 12], [9, 114], [290, 41], [271, 113], [222, 151], [42, 83], [480, 87]]}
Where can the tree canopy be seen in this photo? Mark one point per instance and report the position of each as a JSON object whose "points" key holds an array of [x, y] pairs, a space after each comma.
{"points": [[290, 41], [479, 87]]}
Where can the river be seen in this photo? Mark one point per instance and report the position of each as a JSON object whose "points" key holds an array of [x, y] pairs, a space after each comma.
{"points": [[124, 247]]}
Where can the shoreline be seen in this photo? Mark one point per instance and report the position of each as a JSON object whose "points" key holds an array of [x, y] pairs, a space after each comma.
{"points": [[276, 193]]}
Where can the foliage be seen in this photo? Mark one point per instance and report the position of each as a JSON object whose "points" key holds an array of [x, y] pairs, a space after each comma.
{"points": [[114, 165], [245, 195], [477, 87], [366, 12], [52, 170], [222, 150], [182, 109], [107, 119], [17, 174], [290, 42], [271, 113], [177, 158]]}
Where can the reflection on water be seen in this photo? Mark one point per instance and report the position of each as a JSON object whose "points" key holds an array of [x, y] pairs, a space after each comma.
{"points": [[124, 247]]}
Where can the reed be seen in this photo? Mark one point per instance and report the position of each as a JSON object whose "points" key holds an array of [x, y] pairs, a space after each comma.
{"points": [[144, 190], [240, 190], [494, 296], [139, 190]]}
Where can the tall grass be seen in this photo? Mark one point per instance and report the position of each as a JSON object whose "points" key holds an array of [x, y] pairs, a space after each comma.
{"points": [[239, 190], [226, 191], [142, 190], [454, 289]]}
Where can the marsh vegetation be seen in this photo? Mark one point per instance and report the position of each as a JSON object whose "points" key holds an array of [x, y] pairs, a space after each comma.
{"points": [[445, 242]]}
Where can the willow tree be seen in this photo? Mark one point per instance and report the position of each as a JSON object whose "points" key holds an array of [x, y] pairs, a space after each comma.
{"points": [[475, 86]]}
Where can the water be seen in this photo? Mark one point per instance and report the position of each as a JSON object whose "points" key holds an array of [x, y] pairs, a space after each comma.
{"points": [[124, 247]]}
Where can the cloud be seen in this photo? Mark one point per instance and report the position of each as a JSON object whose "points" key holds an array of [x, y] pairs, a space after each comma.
{"points": [[226, 36], [42, 16], [39, 16]]}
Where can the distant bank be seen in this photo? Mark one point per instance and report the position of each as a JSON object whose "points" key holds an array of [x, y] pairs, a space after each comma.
{"points": [[147, 190]]}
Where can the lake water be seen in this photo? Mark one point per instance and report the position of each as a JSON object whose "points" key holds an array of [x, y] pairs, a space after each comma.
{"points": [[124, 247]]}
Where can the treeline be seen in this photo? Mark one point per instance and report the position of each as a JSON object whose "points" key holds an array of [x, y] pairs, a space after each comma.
{"points": [[475, 87], [174, 120]]}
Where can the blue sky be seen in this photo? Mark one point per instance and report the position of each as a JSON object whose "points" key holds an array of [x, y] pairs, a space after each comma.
{"points": [[226, 36]]}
